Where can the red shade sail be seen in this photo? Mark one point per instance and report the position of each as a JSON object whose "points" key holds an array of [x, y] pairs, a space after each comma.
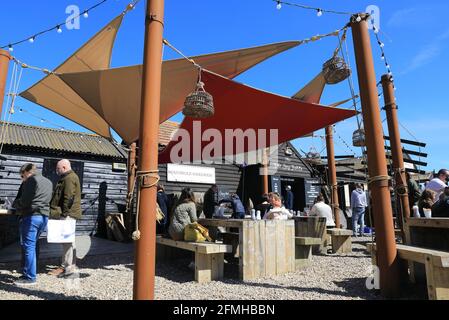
{"points": [[238, 106]]}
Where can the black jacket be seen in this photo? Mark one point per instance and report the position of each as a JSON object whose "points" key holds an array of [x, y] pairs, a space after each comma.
{"points": [[34, 196]]}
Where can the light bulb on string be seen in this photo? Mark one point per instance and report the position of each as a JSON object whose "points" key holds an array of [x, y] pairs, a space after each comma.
{"points": [[86, 14], [319, 12], [359, 18], [376, 31], [383, 56], [32, 39], [59, 29], [10, 48], [381, 44], [279, 5]]}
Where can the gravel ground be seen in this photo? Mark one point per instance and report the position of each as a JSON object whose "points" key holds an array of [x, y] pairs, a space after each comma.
{"points": [[111, 277]]}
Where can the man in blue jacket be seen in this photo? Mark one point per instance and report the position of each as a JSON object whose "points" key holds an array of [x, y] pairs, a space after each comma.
{"points": [[33, 205]]}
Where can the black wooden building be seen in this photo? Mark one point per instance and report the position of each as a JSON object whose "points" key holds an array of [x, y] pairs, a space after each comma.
{"points": [[100, 164]]}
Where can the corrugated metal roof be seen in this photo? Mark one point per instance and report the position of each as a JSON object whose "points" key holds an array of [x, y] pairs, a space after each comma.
{"points": [[57, 140], [166, 130], [74, 142]]}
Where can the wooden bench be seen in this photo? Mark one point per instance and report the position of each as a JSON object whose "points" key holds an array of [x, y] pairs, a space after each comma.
{"points": [[303, 250], [436, 265], [341, 240], [209, 257]]}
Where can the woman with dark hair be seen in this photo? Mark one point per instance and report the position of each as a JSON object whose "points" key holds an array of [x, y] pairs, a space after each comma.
{"points": [[426, 201], [184, 214]]}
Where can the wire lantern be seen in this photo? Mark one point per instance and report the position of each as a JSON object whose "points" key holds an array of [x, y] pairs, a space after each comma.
{"points": [[199, 104], [358, 138], [336, 70], [313, 154]]}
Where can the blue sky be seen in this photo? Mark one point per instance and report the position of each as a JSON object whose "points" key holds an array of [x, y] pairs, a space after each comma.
{"points": [[415, 33]]}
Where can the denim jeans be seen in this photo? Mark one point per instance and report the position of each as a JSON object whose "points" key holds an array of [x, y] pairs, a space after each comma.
{"points": [[31, 228], [358, 218]]}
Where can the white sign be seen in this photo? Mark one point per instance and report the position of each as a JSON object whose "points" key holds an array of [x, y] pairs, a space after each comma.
{"points": [[190, 174]]}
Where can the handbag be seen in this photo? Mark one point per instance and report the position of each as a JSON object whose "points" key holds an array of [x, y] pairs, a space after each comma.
{"points": [[61, 231], [195, 232]]}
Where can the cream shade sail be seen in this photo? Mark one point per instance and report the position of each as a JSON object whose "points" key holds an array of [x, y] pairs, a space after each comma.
{"points": [[52, 93], [115, 94]]}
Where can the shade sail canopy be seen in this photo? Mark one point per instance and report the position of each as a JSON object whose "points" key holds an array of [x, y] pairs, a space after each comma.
{"points": [[241, 107], [115, 94], [313, 91], [52, 93]]}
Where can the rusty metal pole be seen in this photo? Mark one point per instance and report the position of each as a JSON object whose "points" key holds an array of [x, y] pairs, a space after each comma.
{"points": [[5, 58], [332, 173], [131, 186], [144, 269], [387, 258], [265, 187], [391, 110]]}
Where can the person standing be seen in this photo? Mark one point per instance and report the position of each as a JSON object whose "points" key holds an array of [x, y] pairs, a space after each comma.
{"points": [[439, 183], [210, 201], [413, 191], [33, 205], [289, 198], [66, 205], [162, 201], [358, 206]]}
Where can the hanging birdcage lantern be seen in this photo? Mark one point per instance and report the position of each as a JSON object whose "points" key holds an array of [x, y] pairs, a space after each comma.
{"points": [[313, 154], [358, 138], [199, 104], [336, 70]]}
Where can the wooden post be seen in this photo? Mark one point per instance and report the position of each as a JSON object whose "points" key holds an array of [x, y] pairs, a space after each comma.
{"points": [[144, 269], [332, 173], [5, 58], [265, 187], [131, 186], [391, 110], [377, 164]]}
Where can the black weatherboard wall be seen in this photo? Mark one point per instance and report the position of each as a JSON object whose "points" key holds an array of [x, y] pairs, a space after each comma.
{"points": [[103, 189]]}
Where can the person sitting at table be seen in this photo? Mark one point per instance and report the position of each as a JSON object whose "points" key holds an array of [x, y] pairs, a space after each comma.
{"points": [[321, 209], [210, 201], [426, 201], [184, 213], [441, 208], [278, 211]]}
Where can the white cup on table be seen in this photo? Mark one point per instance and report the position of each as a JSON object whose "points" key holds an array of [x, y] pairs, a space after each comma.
{"points": [[428, 213]]}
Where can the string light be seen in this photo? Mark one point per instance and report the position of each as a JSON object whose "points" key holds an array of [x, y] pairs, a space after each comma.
{"points": [[42, 120], [58, 28], [319, 11], [279, 5], [383, 56]]}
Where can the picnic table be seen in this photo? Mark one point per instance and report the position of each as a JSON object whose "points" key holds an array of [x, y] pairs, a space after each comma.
{"points": [[265, 247]]}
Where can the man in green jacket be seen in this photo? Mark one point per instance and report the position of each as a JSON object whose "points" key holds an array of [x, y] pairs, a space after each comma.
{"points": [[66, 205]]}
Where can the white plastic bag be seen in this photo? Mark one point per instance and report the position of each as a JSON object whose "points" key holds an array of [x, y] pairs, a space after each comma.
{"points": [[61, 231]]}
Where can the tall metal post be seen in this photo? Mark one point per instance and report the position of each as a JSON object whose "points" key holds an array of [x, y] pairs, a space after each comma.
{"points": [[332, 173], [391, 110], [5, 58], [144, 270], [387, 258]]}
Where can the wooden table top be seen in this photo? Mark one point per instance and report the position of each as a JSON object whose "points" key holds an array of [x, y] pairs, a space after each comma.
{"points": [[428, 222]]}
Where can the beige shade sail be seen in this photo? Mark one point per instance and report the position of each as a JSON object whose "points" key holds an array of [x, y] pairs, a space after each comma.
{"points": [[115, 94], [313, 91], [52, 93]]}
